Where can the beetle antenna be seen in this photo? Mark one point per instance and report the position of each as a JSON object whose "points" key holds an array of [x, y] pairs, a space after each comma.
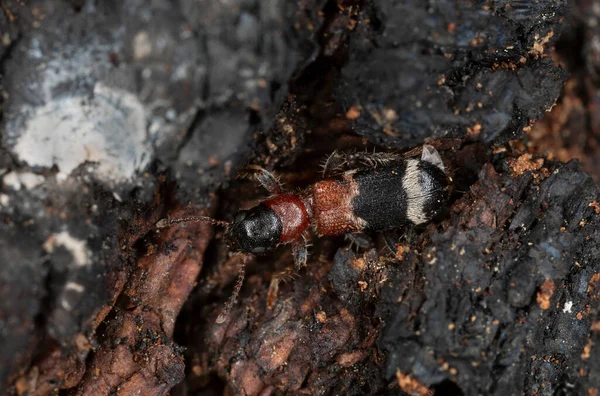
{"points": [[236, 290], [169, 222]]}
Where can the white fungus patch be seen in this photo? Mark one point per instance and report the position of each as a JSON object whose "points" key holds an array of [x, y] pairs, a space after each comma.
{"points": [[142, 45], [70, 295], [77, 247], [107, 128], [74, 286], [4, 200], [65, 304], [19, 180], [568, 306]]}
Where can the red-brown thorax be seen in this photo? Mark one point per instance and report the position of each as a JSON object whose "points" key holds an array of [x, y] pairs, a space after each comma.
{"points": [[293, 213], [332, 205]]}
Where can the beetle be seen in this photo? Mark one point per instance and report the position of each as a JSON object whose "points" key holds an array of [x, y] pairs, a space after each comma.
{"points": [[359, 192]]}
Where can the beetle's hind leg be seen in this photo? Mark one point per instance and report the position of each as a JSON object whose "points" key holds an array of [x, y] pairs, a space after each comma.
{"points": [[334, 164], [265, 178], [300, 252], [365, 159], [339, 162], [361, 240]]}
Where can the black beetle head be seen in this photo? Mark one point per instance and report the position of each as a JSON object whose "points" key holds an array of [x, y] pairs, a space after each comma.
{"points": [[255, 231]]}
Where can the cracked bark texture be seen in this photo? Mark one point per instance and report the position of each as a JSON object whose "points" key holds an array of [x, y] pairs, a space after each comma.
{"points": [[115, 114], [501, 294], [100, 100], [449, 69]]}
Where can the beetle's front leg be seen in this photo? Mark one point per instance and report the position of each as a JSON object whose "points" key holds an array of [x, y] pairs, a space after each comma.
{"points": [[300, 252], [265, 178]]}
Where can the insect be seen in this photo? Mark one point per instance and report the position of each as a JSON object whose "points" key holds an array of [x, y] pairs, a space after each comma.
{"points": [[371, 192]]}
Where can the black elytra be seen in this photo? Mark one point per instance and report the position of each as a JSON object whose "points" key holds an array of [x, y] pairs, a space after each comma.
{"points": [[435, 187], [381, 199], [255, 231]]}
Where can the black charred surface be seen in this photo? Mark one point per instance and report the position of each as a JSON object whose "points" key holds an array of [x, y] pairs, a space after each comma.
{"points": [[20, 315], [572, 130], [354, 276], [459, 69], [248, 52], [499, 298]]}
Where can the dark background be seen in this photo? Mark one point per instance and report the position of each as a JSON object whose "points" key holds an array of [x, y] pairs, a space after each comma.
{"points": [[115, 114]]}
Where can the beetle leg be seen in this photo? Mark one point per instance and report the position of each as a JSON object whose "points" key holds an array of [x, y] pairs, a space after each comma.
{"points": [[340, 162], [300, 252], [281, 276], [364, 159], [360, 240], [334, 164], [265, 178]]}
